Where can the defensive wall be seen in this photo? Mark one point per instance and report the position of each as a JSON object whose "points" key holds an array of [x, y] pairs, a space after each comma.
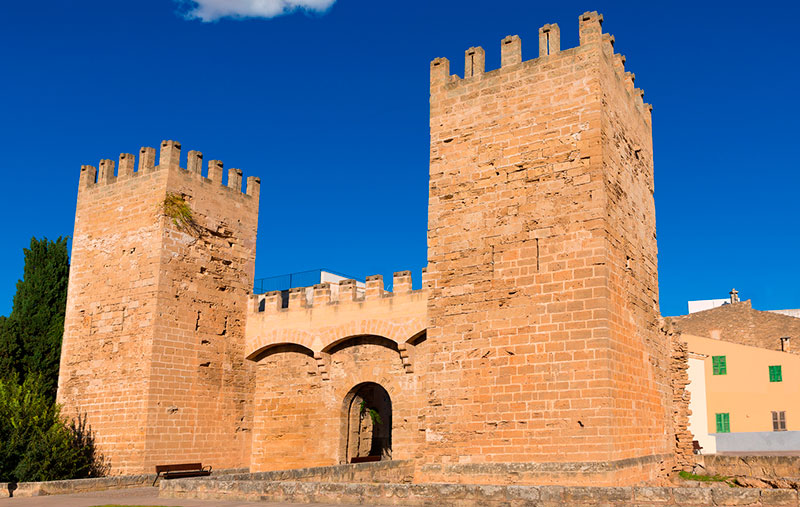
{"points": [[310, 355], [533, 353]]}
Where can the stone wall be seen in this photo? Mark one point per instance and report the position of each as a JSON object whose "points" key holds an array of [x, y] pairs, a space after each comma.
{"points": [[543, 310], [111, 310], [26, 489], [533, 352], [761, 467], [154, 331], [395, 471], [681, 398], [470, 494], [301, 419], [740, 323], [68, 487], [311, 357]]}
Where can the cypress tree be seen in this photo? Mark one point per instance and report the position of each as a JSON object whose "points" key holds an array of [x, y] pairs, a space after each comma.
{"points": [[9, 351], [30, 338]]}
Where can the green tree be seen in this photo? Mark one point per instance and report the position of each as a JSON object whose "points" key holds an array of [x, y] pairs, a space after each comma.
{"points": [[30, 338], [10, 357], [36, 444]]}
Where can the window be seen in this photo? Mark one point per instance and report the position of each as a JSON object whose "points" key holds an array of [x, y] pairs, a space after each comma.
{"points": [[724, 423], [778, 421], [719, 365], [775, 374]]}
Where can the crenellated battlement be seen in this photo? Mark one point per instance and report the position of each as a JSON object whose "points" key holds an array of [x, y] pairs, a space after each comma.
{"points": [[320, 316], [326, 294], [162, 264], [541, 192], [590, 34], [92, 177]]}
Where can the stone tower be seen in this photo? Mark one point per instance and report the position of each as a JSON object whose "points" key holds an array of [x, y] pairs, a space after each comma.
{"points": [[162, 264], [545, 361]]}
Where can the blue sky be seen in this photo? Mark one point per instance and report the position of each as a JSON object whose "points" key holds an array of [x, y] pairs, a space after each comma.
{"points": [[330, 109]]}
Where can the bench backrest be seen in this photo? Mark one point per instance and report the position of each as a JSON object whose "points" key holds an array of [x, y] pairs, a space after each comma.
{"points": [[181, 467]]}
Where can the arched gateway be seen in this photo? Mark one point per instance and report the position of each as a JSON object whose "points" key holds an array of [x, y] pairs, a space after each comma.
{"points": [[366, 424]]}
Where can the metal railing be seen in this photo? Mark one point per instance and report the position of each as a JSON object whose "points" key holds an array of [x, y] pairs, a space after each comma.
{"points": [[292, 280]]}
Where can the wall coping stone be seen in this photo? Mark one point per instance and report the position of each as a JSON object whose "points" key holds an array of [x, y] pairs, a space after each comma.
{"points": [[345, 471], [66, 487], [469, 494]]}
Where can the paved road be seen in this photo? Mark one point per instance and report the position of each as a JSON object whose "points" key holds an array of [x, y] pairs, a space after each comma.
{"points": [[132, 496]]}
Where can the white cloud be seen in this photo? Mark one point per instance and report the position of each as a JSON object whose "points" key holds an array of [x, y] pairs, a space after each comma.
{"points": [[212, 10]]}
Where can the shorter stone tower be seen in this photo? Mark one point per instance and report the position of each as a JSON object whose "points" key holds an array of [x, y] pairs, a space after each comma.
{"points": [[153, 350]]}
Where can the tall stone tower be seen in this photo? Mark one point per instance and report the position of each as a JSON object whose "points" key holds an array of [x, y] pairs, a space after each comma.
{"points": [[162, 264], [545, 363]]}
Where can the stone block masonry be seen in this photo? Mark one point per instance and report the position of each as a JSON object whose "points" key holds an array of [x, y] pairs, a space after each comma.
{"points": [[153, 347], [544, 342], [533, 354], [467, 495], [310, 355]]}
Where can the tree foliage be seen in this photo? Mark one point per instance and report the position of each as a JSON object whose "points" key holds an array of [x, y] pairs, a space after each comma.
{"points": [[30, 338], [36, 443]]}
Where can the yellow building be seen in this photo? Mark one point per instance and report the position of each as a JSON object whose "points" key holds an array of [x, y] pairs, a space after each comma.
{"points": [[751, 397]]}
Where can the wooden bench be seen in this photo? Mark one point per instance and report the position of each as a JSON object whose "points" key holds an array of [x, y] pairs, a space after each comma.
{"points": [[365, 459], [181, 470]]}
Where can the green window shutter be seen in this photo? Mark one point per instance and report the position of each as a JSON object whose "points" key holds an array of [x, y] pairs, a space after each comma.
{"points": [[719, 365], [723, 423], [775, 374]]}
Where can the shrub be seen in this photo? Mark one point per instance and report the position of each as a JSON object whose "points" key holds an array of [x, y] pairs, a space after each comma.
{"points": [[36, 443]]}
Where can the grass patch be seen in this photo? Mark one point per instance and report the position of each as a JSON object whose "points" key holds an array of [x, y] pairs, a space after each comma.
{"points": [[706, 478], [176, 208]]}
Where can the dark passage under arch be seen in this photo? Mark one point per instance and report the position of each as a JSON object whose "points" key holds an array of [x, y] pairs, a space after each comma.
{"points": [[367, 423]]}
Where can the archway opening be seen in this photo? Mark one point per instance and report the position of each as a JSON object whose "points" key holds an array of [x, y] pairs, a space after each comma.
{"points": [[368, 423]]}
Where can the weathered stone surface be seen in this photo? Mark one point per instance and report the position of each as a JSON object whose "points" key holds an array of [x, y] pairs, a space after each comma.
{"points": [[761, 467], [542, 259], [691, 496], [532, 355], [27, 489], [779, 497], [597, 494], [724, 495], [652, 494], [399, 471], [153, 348], [472, 494]]}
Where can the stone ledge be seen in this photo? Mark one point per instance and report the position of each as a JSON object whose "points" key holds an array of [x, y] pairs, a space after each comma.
{"points": [[400, 471], [28, 489], [467, 494], [550, 466], [769, 467]]}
